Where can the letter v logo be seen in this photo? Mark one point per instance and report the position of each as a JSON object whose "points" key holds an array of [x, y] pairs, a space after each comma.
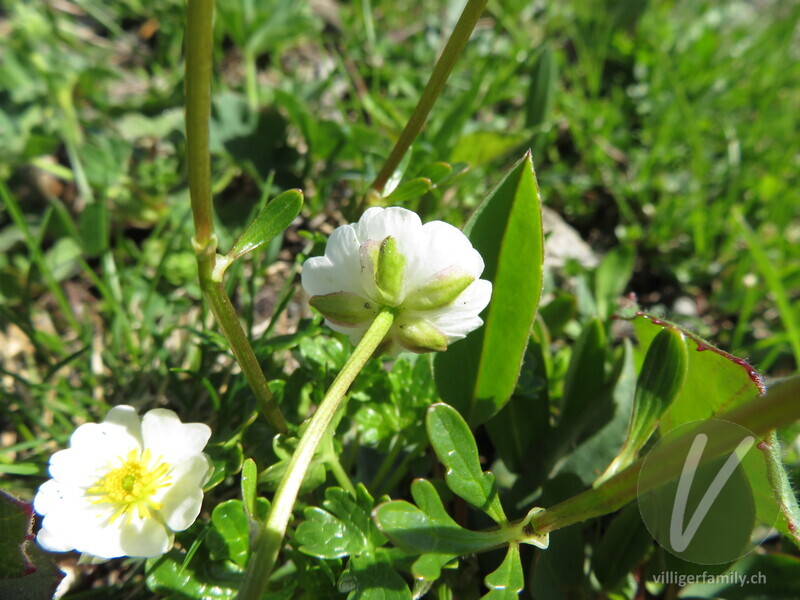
{"points": [[678, 537]]}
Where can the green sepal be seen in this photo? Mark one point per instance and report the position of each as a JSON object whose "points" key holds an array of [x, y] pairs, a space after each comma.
{"points": [[344, 308], [390, 271], [420, 336], [441, 291]]}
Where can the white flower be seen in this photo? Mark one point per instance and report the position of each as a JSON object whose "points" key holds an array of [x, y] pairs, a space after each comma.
{"points": [[124, 485], [428, 273]]}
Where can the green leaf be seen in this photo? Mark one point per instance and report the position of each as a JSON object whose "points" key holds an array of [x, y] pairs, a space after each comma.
{"points": [[609, 417], [661, 378], [773, 576], [542, 89], [558, 312], [230, 538], [611, 279], [226, 459], [93, 226], [558, 573], [284, 447], [507, 581], [16, 518], [344, 528], [409, 190], [249, 484], [585, 378], [429, 529], [372, 577], [525, 419], [782, 487], [172, 574], [477, 375], [481, 147], [428, 567], [735, 382], [270, 222], [26, 571], [622, 547], [455, 446]]}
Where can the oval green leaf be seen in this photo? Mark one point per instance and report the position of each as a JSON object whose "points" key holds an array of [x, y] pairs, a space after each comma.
{"points": [[270, 222], [477, 376]]}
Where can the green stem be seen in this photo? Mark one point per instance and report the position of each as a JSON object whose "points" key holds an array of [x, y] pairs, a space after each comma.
{"points": [[240, 346], [251, 80], [441, 72], [780, 407], [269, 543], [388, 462], [199, 45], [342, 478]]}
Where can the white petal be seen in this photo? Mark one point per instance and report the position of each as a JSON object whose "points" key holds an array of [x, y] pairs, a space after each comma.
{"points": [[56, 503], [96, 447], [181, 500], [339, 270], [52, 542], [52, 494], [169, 440], [459, 318], [403, 225], [144, 538], [442, 246], [354, 333], [80, 525]]}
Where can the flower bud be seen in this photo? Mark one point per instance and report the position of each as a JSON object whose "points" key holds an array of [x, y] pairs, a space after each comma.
{"points": [[440, 291], [420, 336], [344, 308]]}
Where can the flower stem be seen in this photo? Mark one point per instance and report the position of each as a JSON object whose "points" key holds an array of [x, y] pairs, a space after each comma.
{"points": [[229, 323], [199, 45], [269, 543], [441, 72], [780, 407]]}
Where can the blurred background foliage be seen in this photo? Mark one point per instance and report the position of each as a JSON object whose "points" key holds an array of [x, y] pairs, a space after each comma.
{"points": [[664, 131]]}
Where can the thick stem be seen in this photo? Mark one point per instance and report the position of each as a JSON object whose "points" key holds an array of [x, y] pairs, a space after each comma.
{"points": [[780, 407], [199, 45], [453, 49], [269, 543]]}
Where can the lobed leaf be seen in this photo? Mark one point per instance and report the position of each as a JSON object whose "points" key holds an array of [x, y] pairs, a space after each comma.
{"points": [[230, 538], [428, 528], [455, 446], [343, 528], [507, 581], [26, 571]]}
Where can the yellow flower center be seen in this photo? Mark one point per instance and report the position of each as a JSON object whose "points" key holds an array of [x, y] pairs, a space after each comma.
{"points": [[131, 486]]}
